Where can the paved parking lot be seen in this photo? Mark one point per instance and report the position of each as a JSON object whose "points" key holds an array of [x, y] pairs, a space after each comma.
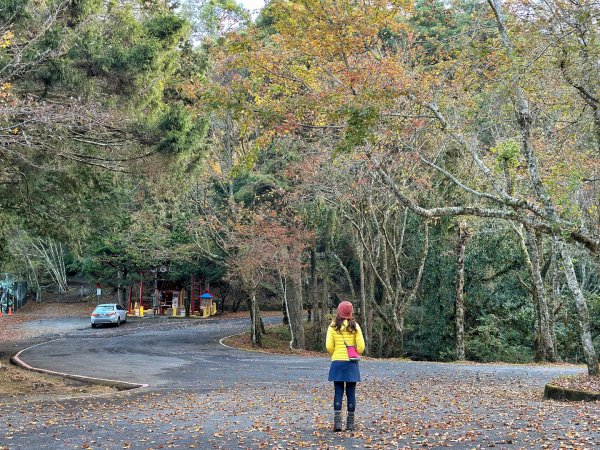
{"points": [[204, 395]]}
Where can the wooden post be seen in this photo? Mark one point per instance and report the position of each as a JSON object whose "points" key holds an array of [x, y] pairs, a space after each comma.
{"points": [[193, 297], [142, 289]]}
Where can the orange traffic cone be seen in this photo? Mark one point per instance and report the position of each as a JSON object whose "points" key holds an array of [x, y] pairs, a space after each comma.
{"points": [[0, 311], [10, 310]]}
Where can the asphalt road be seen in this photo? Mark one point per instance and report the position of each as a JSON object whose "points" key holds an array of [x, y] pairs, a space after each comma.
{"points": [[201, 394], [179, 355]]}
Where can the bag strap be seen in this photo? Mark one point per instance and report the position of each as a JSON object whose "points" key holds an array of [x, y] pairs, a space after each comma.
{"points": [[339, 331]]}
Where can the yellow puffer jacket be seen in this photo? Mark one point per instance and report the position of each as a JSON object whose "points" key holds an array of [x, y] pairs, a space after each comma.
{"points": [[335, 342]]}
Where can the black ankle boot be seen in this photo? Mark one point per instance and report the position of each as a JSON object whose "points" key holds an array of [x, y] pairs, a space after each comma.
{"points": [[350, 421], [337, 421]]}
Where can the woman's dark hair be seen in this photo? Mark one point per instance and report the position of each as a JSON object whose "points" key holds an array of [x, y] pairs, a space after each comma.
{"points": [[338, 322]]}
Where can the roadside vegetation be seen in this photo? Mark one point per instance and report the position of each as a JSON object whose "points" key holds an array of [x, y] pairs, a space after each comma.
{"points": [[436, 163]]}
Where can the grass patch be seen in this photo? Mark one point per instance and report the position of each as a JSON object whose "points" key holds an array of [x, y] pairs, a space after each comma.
{"points": [[275, 340], [20, 384]]}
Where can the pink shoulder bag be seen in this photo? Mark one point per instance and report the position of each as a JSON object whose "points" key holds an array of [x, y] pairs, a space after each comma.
{"points": [[353, 354]]}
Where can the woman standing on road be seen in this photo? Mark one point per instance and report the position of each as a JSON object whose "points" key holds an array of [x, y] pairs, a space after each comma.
{"points": [[341, 333]]}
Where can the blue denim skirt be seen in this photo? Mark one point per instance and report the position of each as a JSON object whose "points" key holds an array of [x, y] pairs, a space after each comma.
{"points": [[344, 371]]}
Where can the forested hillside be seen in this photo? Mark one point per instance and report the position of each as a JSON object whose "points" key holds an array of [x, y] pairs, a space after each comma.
{"points": [[435, 162]]}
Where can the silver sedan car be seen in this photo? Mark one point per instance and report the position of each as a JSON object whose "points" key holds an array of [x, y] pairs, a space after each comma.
{"points": [[109, 313]]}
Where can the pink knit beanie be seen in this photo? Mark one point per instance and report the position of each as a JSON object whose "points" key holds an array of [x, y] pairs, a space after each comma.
{"points": [[344, 310]]}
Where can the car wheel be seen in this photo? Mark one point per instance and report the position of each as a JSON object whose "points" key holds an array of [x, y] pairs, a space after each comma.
{"points": [[118, 321], [93, 325]]}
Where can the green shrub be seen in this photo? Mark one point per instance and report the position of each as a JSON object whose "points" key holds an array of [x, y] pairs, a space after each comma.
{"points": [[488, 342]]}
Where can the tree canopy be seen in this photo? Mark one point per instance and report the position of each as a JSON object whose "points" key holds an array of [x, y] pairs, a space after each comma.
{"points": [[435, 162]]}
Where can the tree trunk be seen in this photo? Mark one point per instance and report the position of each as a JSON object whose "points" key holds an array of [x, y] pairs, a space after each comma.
{"points": [[543, 344], [324, 309], [363, 296], [324, 305], [284, 310], [235, 302], [314, 287], [188, 302], [228, 157], [346, 275], [263, 330], [284, 303], [459, 301], [255, 320], [591, 358], [296, 312], [401, 337], [32, 274], [554, 297], [538, 349], [52, 256], [524, 118], [120, 287], [545, 334], [370, 301]]}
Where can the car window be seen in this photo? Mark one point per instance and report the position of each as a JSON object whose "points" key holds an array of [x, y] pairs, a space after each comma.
{"points": [[105, 308]]}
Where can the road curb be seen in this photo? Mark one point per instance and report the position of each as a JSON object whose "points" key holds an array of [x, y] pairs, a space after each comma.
{"points": [[554, 392], [244, 349], [230, 336], [117, 384]]}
